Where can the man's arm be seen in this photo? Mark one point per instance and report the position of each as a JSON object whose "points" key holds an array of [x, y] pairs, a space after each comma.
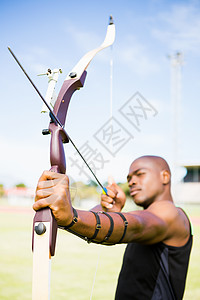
{"points": [[143, 226]]}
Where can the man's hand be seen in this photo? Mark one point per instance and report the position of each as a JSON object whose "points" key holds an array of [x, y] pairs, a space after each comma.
{"points": [[116, 198], [53, 191]]}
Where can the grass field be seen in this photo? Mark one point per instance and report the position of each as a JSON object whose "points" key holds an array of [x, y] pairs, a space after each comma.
{"points": [[74, 265]]}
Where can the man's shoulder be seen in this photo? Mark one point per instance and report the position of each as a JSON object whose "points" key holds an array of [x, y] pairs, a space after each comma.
{"points": [[177, 221], [164, 208]]}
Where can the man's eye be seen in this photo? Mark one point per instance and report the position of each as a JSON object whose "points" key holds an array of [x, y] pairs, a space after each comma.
{"points": [[141, 173]]}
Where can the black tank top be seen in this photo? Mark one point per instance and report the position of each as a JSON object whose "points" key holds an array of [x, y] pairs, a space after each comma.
{"points": [[153, 272]]}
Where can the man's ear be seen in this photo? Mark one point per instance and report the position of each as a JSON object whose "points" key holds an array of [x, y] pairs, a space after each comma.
{"points": [[165, 177]]}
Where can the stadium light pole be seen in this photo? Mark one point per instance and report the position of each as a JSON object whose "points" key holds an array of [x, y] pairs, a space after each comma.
{"points": [[176, 62]]}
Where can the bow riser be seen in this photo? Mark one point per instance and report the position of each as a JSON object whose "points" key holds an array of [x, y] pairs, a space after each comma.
{"points": [[68, 88], [57, 157], [45, 215], [57, 154]]}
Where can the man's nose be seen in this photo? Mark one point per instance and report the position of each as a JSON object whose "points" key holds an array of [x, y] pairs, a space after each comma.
{"points": [[133, 181]]}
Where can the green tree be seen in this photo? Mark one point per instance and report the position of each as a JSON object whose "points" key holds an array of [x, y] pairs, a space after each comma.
{"points": [[124, 186], [84, 191], [92, 183], [2, 191], [20, 185]]}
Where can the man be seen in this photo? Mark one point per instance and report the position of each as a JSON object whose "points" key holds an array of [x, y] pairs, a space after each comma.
{"points": [[159, 236]]}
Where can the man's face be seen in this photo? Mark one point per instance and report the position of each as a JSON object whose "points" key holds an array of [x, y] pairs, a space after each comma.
{"points": [[144, 181]]}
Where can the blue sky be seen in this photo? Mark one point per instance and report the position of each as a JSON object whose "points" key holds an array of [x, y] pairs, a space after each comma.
{"points": [[56, 34]]}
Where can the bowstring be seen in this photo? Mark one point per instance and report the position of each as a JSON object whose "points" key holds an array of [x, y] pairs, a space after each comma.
{"points": [[95, 273], [111, 147]]}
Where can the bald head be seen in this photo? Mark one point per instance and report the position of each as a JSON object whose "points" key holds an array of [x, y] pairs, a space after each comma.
{"points": [[156, 162]]}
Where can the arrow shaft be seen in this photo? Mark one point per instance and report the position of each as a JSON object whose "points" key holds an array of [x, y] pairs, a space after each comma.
{"points": [[57, 120]]}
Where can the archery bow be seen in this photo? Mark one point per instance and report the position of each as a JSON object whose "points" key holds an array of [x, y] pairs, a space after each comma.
{"points": [[44, 223]]}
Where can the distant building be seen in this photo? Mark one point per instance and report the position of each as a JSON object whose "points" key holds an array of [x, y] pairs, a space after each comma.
{"points": [[188, 191], [193, 173], [20, 195]]}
